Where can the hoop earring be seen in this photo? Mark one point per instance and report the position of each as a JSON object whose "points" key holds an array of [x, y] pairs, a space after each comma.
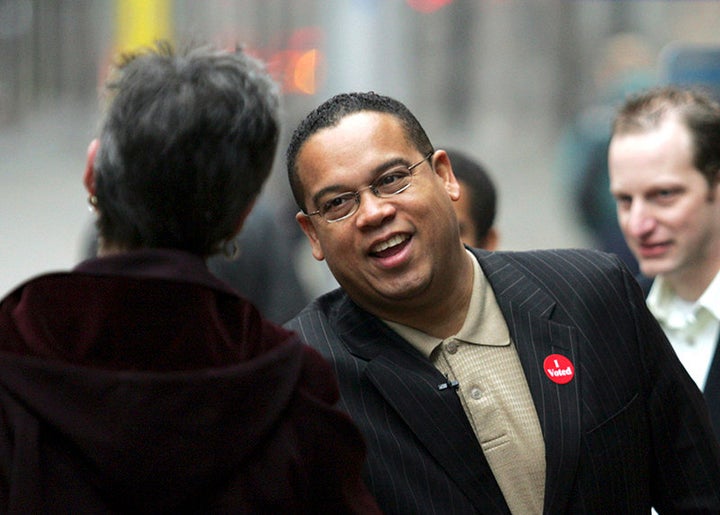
{"points": [[92, 203], [230, 249]]}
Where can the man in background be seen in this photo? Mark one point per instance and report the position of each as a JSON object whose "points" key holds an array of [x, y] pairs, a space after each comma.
{"points": [[664, 160], [477, 206]]}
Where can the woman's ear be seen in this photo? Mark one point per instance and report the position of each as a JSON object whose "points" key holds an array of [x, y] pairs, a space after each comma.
{"points": [[89, 175]]}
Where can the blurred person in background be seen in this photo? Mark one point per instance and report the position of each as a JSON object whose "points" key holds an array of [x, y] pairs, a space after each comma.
{"points": [[626, 64], [484, 382], [139, 382], [477, 206], [264, 269], [665, 176]]}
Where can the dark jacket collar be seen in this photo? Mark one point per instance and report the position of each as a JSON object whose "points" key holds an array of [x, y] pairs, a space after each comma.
{"points": [[168, 264]]}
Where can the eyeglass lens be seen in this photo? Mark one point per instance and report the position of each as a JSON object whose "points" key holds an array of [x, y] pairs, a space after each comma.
{"points": [[388, 184]]}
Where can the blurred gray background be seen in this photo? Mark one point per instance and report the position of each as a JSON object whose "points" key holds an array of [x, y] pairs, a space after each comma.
{"points": [[501, 79]]}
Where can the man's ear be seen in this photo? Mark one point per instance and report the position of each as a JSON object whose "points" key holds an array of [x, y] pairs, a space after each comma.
{"points": [[443, 169], [89, 175], [309, 229]]}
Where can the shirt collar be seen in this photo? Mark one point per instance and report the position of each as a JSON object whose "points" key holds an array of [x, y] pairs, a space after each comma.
{"points": [[710, 299], [484, 323], [669, 309]]}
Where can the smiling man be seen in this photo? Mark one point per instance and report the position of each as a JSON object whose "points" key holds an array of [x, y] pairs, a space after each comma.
{"points": [[664, 160], [523, 382]]}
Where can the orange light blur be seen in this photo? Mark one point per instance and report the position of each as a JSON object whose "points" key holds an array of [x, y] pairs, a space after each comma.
{"points": [[305, 76], [299, 66]]}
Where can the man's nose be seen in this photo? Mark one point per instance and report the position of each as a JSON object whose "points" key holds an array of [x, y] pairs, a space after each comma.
{"points": [[373, 210], [641, 219]]}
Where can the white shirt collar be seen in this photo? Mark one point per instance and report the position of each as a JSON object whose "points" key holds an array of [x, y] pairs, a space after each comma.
{"points": [[668, 308]]}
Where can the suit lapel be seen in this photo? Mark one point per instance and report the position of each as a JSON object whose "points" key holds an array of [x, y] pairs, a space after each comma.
{"points": [[409, 383], [527, 310]]}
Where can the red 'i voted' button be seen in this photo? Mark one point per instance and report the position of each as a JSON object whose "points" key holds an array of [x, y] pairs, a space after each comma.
{"points": [[559, 369]]}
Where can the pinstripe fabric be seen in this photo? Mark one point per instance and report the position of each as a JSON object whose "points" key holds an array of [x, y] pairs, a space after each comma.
{"points": [[628, 430]]}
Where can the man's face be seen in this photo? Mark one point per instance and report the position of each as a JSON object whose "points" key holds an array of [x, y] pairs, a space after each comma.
{"points": [[393, 251], [667, 212]]}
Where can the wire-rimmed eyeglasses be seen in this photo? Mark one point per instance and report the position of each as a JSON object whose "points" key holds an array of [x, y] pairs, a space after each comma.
{"points": [[333, 208]]}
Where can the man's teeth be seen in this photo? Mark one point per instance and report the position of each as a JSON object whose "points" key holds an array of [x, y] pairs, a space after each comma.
{"points": [[395, 240]]}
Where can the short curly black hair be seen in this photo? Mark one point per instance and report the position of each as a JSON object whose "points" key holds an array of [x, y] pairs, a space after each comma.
{"points": [[329, 114]]}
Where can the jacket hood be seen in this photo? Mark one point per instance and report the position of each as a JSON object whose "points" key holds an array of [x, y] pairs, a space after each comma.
{"points": [[186, 429]]}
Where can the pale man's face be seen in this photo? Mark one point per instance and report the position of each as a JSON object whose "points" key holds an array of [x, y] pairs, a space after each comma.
{"points": [[668, 214]]}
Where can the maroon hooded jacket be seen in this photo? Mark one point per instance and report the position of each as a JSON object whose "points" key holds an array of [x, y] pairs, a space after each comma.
{"points": [[140, 383]]}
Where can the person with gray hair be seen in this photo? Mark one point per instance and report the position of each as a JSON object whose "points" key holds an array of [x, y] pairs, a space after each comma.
{"points": [[664, 161], [138, 382]]}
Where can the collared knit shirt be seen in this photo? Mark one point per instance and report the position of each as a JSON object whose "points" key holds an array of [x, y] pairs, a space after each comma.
{"points": [[493, 390]]}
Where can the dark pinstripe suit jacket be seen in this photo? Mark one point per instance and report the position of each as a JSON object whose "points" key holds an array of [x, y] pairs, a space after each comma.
{"points": [[629, 430], [711, 391]]}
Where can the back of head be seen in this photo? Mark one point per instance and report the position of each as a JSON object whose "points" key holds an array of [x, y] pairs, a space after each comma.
{"points": [[332, 111], [696, 110], [187, 141], [482, 190]]}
